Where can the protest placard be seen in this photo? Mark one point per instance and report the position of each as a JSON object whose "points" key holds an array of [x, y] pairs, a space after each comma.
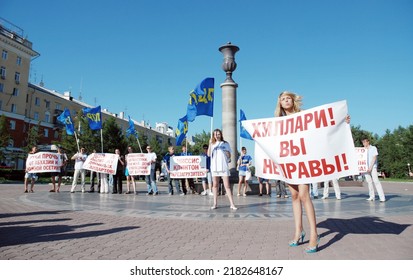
{"points": [[43, 162], [188, 167], [138, 164], [102, 163], [314, 145], [361, 153]]}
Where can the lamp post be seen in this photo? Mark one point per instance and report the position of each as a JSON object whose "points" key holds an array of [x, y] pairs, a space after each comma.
{"points": [[229, 103]]}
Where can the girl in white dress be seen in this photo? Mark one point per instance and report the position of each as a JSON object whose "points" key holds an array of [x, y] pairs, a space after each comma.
{"points": [[220, 153]]}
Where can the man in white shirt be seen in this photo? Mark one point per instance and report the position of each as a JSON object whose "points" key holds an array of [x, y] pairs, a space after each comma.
{"points": [[80, 158], [372, 175], [151, 179]]}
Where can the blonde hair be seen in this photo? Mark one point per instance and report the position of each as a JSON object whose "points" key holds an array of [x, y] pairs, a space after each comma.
{"points": [[213, 138], [279, 111]]}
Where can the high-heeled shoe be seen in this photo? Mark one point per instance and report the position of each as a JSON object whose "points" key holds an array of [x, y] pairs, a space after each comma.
{"points": [[295, 243], [313, 249]]}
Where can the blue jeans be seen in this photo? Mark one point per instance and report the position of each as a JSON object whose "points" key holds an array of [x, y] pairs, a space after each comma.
{"points": [[151, 182], [176, 182]]}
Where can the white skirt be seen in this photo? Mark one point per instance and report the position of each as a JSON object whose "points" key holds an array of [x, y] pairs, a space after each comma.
{"points": [[220, 173]]}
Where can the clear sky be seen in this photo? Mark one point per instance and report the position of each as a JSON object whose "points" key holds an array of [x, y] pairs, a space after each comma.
{"points": [[144, 57]]}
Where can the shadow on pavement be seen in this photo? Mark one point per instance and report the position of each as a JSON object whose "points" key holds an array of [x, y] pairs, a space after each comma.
{"points": [[362, 225], [33, 231]]}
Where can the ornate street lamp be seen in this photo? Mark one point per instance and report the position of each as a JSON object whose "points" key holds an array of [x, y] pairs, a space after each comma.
{"points": [[229, 65]]}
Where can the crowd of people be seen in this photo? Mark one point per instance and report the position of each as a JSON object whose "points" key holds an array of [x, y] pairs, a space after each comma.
{"points": [[218, 156]]}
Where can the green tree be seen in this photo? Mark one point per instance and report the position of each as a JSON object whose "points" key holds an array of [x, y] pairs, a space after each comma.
{"points": [[4, 134], [33, 136], [113, 137]]}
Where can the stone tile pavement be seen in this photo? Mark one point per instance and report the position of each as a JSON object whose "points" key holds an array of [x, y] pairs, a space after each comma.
{"points": [[91, 226]]}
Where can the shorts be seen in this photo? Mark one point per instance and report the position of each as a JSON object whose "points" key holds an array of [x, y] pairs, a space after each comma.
{"points": [[220, 174], [242, 173], [262, 180], [30, 176], [208, 178], [126, 172]]}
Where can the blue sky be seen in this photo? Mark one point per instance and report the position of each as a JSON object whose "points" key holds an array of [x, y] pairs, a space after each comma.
{"points": [[144, 57]]}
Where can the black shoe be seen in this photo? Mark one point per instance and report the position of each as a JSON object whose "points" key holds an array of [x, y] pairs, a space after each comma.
{"points": [[91, 191], [260, 194], [114, 192]]}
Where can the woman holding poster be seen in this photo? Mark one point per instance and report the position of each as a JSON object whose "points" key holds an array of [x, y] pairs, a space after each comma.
{"points": [[290, 103], [220, 153]]}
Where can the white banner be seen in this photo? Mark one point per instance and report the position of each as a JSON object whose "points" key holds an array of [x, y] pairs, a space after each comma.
{"points": [[362, 159], [138, 164], [43, 162], [188, 167], [102, 163], [314, 145]]}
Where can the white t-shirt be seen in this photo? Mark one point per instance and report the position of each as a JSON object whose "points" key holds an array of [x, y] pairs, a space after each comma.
{"points": [[219, 159]]}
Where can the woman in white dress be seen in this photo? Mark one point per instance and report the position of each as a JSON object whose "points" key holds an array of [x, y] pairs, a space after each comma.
{"points": [[220, 152]]}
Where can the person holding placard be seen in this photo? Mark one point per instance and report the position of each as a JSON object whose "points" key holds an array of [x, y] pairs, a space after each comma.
{"points": [[290, 103], [220, 153]]}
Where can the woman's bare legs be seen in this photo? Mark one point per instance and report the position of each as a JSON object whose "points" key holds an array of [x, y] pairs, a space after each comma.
{"points": [[215, 184], [306, 201], [297, 211], [301, 196], [225, 180]]}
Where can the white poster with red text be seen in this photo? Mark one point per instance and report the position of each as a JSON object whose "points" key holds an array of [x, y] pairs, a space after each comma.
{"points": [[43, 162], [361, 153], [138, 164], [102, 163], [188, 167], [314, 145]]}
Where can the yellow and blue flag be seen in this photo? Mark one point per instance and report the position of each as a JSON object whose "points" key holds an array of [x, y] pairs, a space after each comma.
{"points": [[242, 131], [181, 130], [201, 100], [94, 116], [66, 119], [131, 129]]}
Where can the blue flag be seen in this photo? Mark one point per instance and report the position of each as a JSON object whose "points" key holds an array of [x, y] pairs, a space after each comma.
{"points": [[201, 100], [94, 117], [242, 131], [66, 119], [181, 130], [131, 129]]}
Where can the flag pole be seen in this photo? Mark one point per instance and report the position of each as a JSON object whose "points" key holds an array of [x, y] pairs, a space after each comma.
{"points": [[101, 139], [77, 141], [140, 148]]}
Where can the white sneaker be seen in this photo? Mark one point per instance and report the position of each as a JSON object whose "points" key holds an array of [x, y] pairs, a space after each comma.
{"points": [[324, 197], [370, 199], [211, 193], [204, 193]]}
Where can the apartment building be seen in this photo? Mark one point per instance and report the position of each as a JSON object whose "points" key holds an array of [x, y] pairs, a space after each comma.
{"points": [[27, 105]]}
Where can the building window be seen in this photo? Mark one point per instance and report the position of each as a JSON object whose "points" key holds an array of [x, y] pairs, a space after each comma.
{"points": [[19, 61], [15, 91], [11, 143], [17, 77], [47, 104], [3, 72], [12, 125], [56, 134], [1, 87], [13, 108], [58, 106], [37, 101], [1, 104], [46, 132], [36, 116], [4, 55], [47, 117]]}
